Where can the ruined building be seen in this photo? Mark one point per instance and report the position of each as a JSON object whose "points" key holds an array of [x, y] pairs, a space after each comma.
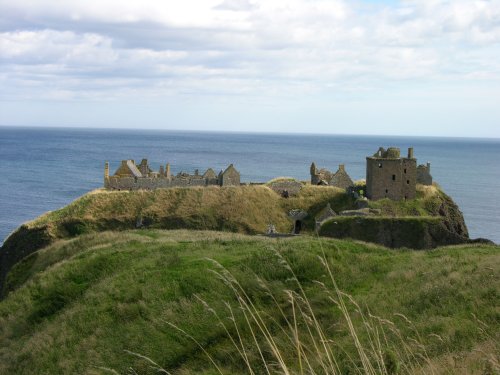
{"points": [[388, 175], [324, 177], [131, 176], [424, 174]]}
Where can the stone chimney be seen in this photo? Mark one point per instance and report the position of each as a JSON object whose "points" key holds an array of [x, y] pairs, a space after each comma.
{"points": [[342, 167], [428, 167], [313, 169], [410, 152], [162, 171], [167, 170], [106, 175]]}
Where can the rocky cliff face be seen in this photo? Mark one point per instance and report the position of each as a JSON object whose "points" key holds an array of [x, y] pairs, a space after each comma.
{"points": [[413, 233], [441, 224]]}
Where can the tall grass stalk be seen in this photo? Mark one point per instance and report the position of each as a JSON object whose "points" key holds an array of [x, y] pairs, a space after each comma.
{"points": [[300, 344]]}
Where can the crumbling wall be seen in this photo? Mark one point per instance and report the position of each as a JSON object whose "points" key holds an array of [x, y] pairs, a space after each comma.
{"points": [[424, 176], [130, 176], [341, 179], [286, 188], [230, 177], [323, 176]]}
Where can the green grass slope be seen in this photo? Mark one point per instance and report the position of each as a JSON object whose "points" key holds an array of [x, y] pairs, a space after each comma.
{"points": [[244, 209], [80, 303]]}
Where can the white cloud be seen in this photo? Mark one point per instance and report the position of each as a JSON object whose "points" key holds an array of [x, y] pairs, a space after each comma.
{"points": [[247, 47]]}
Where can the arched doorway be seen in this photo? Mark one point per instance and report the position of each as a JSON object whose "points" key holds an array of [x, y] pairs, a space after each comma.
{"points": [[297, 227]]}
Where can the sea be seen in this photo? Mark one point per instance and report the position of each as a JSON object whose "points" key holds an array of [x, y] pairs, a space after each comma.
{"points": [[46, 168]]}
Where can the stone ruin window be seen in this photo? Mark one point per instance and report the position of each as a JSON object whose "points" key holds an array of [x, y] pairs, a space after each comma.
{"points": [[408, 182], [393, 177], [405, 170], [386, 191], [380, 165]]}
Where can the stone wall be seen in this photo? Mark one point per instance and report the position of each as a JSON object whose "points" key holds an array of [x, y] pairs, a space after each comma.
{"points": [[424, 176], [286, 187], [341, 179], [230, 177], [130, 176], [323, 176], [151, 183]]}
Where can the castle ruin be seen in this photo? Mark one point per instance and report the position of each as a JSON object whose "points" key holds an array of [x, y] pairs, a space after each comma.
{"points": [[132, 176], [323, 176], [424, 174], [388, 175]]}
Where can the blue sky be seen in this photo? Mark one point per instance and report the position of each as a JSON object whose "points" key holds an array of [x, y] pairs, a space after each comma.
{"points": [[429, 67]]}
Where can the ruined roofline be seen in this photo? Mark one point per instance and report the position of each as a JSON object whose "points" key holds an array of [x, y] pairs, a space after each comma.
{"points": [[382, 158], [129, 168], [392, 153], [130, 176]]}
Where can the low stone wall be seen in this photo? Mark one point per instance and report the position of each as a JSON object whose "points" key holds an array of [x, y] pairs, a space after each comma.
{"points": [[131, 183], [286, 187]]}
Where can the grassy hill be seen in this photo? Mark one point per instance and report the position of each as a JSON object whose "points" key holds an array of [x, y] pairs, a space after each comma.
{"points": [[435, 219], [252, 302]]}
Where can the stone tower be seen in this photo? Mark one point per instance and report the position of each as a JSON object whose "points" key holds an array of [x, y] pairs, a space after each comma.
{"points": [[167, 170], [106, 174], [388, 175]]}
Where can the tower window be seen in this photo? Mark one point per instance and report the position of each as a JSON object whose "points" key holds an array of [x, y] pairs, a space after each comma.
{"points": [[380, 165], [393, 177], [405, 170], [408, 182], [386, 191]]}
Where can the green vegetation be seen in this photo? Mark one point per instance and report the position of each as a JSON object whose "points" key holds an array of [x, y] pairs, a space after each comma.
{"points": [[245, 209], [281, 179], [79, 303], [430, 201], [417, 232]]}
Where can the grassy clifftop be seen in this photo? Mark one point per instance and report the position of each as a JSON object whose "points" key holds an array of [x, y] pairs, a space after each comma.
{"points": [[80, 303], [245, 209]]}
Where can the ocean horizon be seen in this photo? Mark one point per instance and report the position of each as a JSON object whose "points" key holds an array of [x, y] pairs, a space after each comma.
{"points": [[48, 167]]}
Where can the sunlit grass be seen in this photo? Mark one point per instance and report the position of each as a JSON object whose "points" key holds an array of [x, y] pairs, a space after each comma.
{"points": [[325, 305]]}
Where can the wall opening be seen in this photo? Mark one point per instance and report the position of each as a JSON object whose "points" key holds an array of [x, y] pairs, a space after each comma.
{"points": [[380, 165], [298, 227], [285, 194], [405, 170], [393, 177], [408, 182]]}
